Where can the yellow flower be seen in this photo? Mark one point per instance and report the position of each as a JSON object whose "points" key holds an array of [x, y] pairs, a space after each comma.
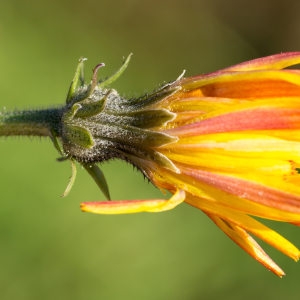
{"points": [[233, 152]]}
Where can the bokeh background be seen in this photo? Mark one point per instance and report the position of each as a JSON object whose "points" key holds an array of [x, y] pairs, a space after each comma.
{"points": [[48, 248]]}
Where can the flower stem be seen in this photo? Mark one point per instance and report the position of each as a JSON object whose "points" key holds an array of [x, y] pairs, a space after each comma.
{"points": [[44, 122]]}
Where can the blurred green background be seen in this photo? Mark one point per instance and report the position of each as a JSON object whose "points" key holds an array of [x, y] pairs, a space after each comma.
{"points": [[48, 248]]}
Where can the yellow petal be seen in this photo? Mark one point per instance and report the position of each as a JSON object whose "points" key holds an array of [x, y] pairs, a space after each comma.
{"points": [[249, 224], [215, 162], [135, 206], [277, 61], [261, 83], [167, 180], [250, 144], [246, 242]]}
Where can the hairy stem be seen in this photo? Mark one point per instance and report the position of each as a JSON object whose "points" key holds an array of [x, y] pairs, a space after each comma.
{"points": [[44, 122]]}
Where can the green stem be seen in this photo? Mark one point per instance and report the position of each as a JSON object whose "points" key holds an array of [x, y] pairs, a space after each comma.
{"points": [[44, 122]]}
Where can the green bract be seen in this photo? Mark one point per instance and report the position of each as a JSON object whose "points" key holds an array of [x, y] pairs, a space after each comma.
{"points": [[97, 124]]}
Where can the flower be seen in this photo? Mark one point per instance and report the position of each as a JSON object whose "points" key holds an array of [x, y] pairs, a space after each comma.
{"points": [[227, 143]]}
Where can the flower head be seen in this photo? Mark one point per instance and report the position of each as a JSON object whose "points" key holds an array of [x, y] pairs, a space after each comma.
{"points": [[227, 143]]}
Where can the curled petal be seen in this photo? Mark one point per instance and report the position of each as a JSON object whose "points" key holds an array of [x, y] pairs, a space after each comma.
{"points": [[135, 206]]}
